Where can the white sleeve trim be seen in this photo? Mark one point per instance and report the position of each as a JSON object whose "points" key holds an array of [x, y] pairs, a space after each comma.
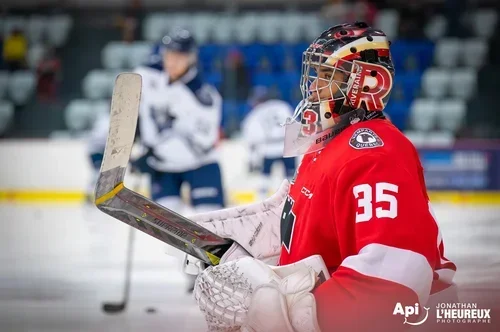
{"points": [[401, 266]]}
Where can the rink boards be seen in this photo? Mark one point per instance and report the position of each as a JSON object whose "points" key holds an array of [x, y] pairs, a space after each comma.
{"points": [[48, 171]]}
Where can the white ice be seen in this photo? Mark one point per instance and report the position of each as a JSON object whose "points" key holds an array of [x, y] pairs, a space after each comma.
{"points": [[59, 263]]}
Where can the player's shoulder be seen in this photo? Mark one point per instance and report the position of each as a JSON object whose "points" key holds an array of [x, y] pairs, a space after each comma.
{"points": [[205, 93], [272, 107], [148, 71], [150, 76], [271, 103], [373, 137]]}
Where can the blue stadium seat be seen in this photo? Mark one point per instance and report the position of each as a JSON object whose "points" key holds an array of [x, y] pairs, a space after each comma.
{"points": [[425, 54], [412, 55], [212, 56], [233, 112], [265, 79], [399, 54], [229, 114], [289, 87], [398, 113], [407, 84], [214, 78], [298, 49], [256, 56]]}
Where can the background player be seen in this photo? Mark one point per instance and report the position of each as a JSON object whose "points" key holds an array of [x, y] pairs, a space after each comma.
{"points": [[179, 126], [359, 200], [264, 135], [179, 123]]}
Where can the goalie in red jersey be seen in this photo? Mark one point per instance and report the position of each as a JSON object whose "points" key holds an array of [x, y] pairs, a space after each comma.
{"points": [[358, 200]]}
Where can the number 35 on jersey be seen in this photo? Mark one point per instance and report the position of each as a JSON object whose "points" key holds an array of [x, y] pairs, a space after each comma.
{"points": [[379, 201]]}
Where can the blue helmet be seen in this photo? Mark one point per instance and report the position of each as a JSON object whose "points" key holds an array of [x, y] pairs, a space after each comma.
{"points": [[180, 40], [155, 59]]}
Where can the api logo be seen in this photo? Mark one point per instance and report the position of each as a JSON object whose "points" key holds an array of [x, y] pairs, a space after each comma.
{"points": [[409, 311]]}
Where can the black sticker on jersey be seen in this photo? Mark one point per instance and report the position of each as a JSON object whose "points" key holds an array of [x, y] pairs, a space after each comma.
{"points": [[365, 138], [287, 223]]}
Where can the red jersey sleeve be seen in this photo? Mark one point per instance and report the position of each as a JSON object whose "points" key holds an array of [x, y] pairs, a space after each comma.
{"points": [[389, 238]]}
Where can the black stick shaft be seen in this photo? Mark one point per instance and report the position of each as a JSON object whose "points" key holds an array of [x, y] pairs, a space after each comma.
{"points": [[120, 306]]}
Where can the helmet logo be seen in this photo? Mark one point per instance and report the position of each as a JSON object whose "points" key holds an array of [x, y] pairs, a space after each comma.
{"points": [[370, 84], [309, 122]]}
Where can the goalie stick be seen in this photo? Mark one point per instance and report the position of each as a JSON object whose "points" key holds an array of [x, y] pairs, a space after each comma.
{"points": [[114, 199]]}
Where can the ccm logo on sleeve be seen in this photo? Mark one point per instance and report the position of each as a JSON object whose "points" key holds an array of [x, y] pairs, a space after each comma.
{"points": [[365, 138]]}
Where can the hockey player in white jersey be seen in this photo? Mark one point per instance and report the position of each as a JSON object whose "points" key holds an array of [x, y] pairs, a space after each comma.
{"points": [[179, 123], [179, 126], [96, 142], [264, 135]]}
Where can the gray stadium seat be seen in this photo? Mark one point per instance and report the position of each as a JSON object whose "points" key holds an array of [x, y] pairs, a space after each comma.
{"points": [[202, 26], [451, 114], [447, 52], [270, 27], [246, 31], [416, 137], [463, 83], [58, 29], [79, 115], [155, 26], [439, 139], [313, 26], [37, 27], [436, 27], [223, 30], [21, 86], [12, 22], [423, 113], [474, 52], [388, 21], [98, 84], [114, 55], [4, 80], [6, 115], [435, 82], [179, 20], [101, 106], [138, 54], [35, 55], [484, 22], [295, 27]]}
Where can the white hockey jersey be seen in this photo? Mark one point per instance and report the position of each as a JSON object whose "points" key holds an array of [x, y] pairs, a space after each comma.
{"points": [[96, 141], [179, 121], [262, 128]]}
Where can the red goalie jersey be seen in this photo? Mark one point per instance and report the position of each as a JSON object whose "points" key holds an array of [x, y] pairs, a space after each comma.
{"points": [[361, 203]]}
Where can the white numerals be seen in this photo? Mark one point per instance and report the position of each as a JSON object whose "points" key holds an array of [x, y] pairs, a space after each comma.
{"points": [[384, 193], [365, 202]]}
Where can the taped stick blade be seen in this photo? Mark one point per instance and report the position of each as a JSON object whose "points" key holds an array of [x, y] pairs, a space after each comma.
{"points": [[122, 127]]}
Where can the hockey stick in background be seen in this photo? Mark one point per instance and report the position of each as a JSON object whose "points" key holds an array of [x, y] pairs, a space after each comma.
{"points": [[114, 199], [117, 307]]}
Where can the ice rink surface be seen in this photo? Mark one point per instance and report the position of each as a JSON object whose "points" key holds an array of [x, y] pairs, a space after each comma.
{"points": [[58, 263]]}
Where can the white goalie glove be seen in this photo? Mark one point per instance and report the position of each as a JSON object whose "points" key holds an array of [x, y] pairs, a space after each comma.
{"points": [[255, 227], [248, 295]]}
